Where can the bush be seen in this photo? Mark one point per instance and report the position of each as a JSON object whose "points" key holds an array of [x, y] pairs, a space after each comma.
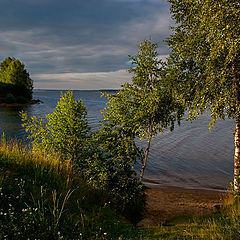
{"points": [[129, 197], [10, 98], [65, 132], [42, 198], [105, 159], [112, 168], [21, 99]]}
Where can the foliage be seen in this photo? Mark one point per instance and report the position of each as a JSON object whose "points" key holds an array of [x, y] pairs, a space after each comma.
{"points": [[10, 98], [105, 159], [147, 105], [205, 55], [112, 168], [21, 99], [16, 78], [43, 198], [32, 193], [65, 131], [204, 63]]}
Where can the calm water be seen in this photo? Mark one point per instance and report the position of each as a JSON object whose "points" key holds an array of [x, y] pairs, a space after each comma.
{"points": [[190, 156]]}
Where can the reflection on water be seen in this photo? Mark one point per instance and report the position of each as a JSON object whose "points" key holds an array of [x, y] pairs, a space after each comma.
{"points": [[10, 121], [190, 156]]}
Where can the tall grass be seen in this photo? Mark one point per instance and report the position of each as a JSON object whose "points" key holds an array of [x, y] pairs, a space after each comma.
{"points": [[44, 198]]}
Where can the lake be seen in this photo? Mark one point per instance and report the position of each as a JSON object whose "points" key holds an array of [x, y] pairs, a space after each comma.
{"points": [[190, 156]]}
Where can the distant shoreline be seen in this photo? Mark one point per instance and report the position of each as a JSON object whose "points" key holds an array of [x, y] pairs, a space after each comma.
{"points": [[34, 101], [90, 90]]}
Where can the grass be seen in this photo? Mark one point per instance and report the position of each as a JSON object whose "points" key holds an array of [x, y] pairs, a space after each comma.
{"points": [[43, 198], [209, 228], [223, 225]]}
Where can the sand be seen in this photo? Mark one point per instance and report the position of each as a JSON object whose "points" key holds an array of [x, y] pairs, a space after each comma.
{"points": [[165, 204]]}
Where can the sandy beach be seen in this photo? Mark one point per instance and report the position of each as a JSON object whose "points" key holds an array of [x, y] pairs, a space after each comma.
{"points": [[165, 204]]}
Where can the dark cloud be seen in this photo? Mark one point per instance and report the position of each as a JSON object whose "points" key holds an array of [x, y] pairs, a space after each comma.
{"points": [[56, 37]]}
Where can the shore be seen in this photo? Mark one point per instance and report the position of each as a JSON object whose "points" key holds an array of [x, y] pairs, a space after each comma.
{"points": [[165, 204], [20, 104]]}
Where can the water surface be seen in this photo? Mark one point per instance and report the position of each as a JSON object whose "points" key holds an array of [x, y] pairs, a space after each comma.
{"points": [[190, 156]]}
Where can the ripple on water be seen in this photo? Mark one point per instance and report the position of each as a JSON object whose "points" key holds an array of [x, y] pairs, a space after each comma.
{"points": [[190, 156]]}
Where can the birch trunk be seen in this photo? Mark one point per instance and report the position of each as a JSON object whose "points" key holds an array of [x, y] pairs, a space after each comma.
{"points": [[237, 156], [145, 156], [237, 132]]}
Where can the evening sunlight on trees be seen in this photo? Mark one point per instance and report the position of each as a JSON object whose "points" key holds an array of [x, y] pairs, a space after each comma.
{"points": [[65, 131], [15, 80], [105, 159], [146, 106], [205, 61]]}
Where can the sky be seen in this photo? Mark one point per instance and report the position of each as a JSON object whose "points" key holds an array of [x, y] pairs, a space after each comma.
{"points": [[80, 44]]}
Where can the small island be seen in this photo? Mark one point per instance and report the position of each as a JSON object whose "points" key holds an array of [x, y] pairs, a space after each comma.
{"points": [[16, 86]]}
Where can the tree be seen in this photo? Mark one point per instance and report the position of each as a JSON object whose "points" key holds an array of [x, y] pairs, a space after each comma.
{"points": [[147, 105], [205, 61], [111, 168], [65, 131], [115, 151], [14, 74], [105, 158]]}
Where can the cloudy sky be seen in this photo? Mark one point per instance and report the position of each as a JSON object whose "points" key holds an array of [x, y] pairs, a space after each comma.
{"points": [[80, 44]]}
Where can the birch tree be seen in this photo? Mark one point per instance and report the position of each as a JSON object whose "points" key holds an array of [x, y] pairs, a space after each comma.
{"points": [[205, 61], [146, 106]]}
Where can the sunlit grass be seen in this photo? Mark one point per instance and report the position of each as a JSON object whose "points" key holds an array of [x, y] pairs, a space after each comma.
{"points": [[18, 155], [44, 198]]}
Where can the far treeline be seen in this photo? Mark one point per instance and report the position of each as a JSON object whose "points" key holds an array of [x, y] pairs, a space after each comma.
{"points": [[15, 82]]}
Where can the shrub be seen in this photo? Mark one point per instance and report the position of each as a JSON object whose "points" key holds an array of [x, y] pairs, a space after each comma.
{"points": [[112, 168], [10, 98], [65, 132], [21, 99], [105, 159], [43, 198]]}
